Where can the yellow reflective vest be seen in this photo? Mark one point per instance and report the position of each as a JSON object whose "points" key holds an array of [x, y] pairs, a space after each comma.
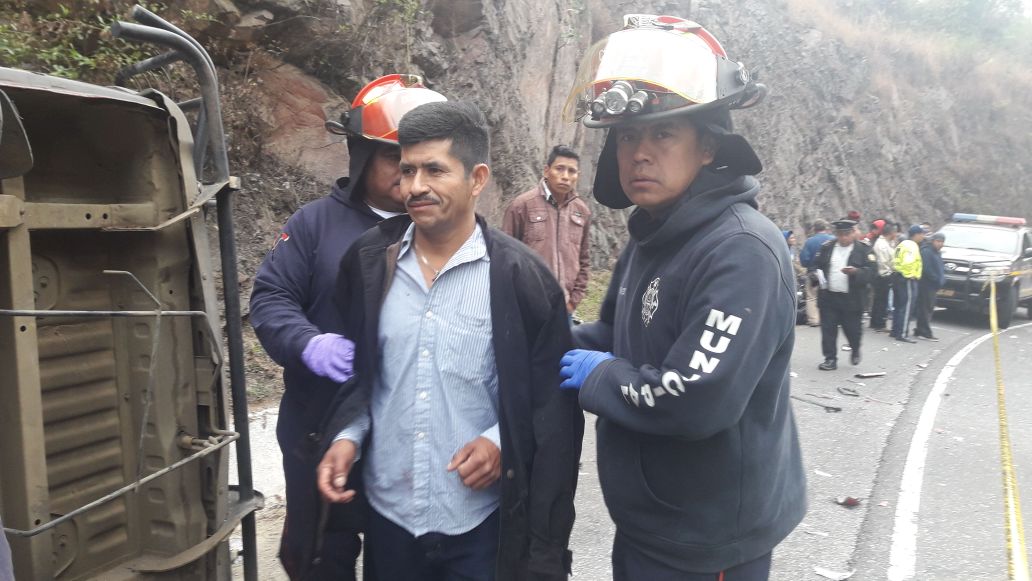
{"points": [[907, 260]]}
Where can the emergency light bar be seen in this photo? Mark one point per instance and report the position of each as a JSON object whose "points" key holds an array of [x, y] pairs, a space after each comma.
{"points": [[984, 219]]}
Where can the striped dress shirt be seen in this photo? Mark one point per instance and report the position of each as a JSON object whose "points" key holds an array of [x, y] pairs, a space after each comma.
{"points": [[436, 391]]}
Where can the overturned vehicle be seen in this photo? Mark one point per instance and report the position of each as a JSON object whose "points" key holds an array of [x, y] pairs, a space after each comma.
{"points": [[114, 379]]}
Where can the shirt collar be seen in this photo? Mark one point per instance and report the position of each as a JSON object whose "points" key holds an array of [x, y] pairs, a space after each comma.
{"points": [[473, 249], [547, 193]]}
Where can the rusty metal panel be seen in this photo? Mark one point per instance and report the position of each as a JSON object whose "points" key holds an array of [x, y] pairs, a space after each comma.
{"points": [[89, 405], [11, 209], [23, 488]]}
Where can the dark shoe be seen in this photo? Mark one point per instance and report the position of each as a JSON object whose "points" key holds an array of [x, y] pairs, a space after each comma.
{"points": [[931, 338], [905, 339], [880, 330], [855, 358], [893, 335], [828, 365]]}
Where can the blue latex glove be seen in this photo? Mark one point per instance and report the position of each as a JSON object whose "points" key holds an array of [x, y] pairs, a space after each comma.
{"points": [[330, 355], [578, 364]]}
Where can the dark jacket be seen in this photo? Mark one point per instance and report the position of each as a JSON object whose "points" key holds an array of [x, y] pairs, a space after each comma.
{"points": [[541, 425], [933, 269], [698, 452], [862, 257], [291, 302]]}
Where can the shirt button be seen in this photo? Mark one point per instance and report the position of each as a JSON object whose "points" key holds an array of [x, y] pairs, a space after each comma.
{"points": [[419, 435], [426, 353], [429, 314], [510, 474], [422, 395]]}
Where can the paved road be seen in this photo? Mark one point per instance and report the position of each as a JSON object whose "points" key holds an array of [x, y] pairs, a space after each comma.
{"points": [[858, 452]]}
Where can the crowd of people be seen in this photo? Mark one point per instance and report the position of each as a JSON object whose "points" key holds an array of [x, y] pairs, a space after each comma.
{"points": [[886, 275], [436, 381]]}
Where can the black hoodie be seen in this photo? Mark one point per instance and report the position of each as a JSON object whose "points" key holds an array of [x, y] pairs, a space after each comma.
{"points": [[293, 301], [698, 452]]}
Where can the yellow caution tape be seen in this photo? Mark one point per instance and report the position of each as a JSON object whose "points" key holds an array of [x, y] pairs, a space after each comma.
{"points": [[1017, 556]]}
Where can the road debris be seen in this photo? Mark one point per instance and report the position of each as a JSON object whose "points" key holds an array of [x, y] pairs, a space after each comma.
{"points": [[821, 473], [827, 408], [849, 391], [820, 395], [793, 374], [833, 575], [870, 374], [847, 501], [922, 365], [883, 503], [847, 348]]}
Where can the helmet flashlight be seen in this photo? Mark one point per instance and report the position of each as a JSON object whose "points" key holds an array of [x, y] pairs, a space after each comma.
{"points": [[637, 102], [617, 97]]}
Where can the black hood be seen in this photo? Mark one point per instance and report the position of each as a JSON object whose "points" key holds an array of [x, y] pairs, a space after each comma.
{"points": [[347, 189], [709, 195], [734, 157]]}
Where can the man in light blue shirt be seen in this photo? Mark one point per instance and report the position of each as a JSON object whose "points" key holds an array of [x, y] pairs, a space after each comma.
{"points": [[469, 449], [438, 385]]}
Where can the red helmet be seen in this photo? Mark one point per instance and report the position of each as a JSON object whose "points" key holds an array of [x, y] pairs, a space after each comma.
{"points": [[381, 104]]}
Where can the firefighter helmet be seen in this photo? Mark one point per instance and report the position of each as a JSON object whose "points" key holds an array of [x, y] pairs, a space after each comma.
{"points": [[381, 104]]}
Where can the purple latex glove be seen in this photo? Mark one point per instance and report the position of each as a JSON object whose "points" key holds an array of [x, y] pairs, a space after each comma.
{"points": [[330, 355]]}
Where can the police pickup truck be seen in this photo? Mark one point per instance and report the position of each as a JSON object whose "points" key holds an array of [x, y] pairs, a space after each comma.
{"points": [[981, 248]]}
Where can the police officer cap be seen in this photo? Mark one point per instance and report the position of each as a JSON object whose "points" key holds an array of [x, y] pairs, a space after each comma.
{"points": [[916, 229], [844, 225]]}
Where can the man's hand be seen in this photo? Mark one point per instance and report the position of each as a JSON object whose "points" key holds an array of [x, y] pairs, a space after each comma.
{"points": [[570, 308], [479, 463], [849, 269], [577, 365], [330, 355], [332, 472]]}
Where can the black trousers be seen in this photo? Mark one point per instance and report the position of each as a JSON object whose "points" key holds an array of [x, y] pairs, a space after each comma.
{"points": [[904, 295], [630, 564], [924, 309], [837, 311], [396, 555], [880, 301], [341, 545]]}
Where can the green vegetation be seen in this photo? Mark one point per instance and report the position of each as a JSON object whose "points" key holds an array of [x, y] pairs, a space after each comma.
{"points": [[72, 40], [592, 303]]}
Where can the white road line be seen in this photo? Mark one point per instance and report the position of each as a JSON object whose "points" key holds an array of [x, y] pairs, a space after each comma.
{"points": [[903, 556]]}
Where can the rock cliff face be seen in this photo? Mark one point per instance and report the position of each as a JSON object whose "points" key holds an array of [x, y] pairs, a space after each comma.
{"points": [[861, 115]]}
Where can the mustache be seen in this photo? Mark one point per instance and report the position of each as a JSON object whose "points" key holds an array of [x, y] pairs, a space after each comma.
{"points": [[422, 198]]}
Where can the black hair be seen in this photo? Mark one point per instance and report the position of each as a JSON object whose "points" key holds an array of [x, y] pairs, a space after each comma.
{"points": [[461, 122], [561, 151]]}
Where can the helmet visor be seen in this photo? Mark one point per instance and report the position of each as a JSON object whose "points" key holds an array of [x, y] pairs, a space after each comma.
{"points": [[381, 114], [655, 61]]}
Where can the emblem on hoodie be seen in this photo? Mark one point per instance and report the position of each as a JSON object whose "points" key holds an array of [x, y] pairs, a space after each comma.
{"points": [[650, 302], [283, 237]]}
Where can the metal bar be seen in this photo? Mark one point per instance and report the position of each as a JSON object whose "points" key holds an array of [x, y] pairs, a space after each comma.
{"points": [[145, 66], [208, 80], [240, 510], [122, 491], [57, 313], [190, 104], [200, 153]]}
